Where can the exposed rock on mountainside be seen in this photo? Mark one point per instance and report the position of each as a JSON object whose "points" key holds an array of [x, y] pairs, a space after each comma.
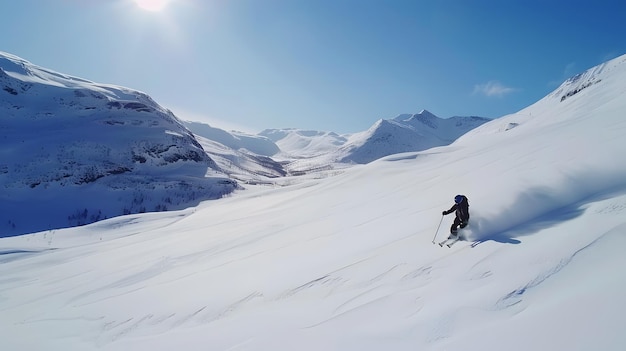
{"points": [[71, 146]]}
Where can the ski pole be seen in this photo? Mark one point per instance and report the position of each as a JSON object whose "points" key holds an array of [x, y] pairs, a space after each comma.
{"points": [[437, 232]]}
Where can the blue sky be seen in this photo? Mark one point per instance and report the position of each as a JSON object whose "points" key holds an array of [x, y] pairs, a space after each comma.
{"points": [[332, 65]]}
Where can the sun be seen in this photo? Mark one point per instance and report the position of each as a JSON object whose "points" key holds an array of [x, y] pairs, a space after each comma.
{"points": [[152, 5]]}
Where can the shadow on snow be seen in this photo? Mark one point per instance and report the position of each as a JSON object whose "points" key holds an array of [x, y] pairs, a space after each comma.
{"points": [[534, 210]]}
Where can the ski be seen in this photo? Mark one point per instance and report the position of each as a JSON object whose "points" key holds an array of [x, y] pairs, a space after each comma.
{"points": [[444, 242], [452, 242], [449, 241]]}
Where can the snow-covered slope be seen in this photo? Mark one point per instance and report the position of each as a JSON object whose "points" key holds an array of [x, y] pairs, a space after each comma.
{"points": [[74, 152], [242, 164], [242, 156], [347, 263]]}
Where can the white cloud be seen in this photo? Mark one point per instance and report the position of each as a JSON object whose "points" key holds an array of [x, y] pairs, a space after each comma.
{"points": [[493, 88]]}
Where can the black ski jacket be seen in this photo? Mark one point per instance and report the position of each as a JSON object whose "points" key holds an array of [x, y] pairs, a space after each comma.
{"points": [[462, 210]]}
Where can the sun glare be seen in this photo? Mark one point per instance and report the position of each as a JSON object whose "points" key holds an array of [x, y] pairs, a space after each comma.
{"points": [[152, 5]]}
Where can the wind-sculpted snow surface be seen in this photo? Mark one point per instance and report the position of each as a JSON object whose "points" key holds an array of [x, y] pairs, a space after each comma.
{"points": [[74, 152], [347, 263]]}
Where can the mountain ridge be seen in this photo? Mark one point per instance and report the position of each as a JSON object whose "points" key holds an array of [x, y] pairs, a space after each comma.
{"points": [[108, 142]]}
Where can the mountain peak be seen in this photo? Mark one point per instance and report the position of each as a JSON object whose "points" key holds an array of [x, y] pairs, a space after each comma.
{"points": [[425, 117], [406, 133], [427, 113], [422, 115]]}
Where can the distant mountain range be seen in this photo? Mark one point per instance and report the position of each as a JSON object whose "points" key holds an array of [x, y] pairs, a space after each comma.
{"points": [[279, 152], [80, 151], [406, 133]]}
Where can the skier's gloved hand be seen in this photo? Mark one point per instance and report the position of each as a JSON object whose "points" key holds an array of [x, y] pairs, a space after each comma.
{"points": [[443, 213]]}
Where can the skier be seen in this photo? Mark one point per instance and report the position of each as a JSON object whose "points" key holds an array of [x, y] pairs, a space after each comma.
{"points": [[461, 207]]}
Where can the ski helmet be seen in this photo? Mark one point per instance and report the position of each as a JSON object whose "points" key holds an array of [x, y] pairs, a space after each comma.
{"points": [[458, 199]]}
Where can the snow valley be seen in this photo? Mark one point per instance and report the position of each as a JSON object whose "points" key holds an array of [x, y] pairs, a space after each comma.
{"points": [[346, 262]]}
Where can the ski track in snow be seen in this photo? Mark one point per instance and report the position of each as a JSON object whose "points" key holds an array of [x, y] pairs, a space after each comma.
{"points": [[516, 296]]}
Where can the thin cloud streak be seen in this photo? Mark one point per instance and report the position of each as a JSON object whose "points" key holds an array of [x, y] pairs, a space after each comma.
{"points": [[493, 88]]}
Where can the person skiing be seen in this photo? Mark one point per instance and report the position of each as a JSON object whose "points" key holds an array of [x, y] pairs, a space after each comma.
{"points": [[461, 208]]}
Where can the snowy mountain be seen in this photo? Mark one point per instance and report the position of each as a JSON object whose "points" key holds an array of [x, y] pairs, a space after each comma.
{"points": [[242, 164], [307, 151], [68, 138], [298, 143], [255, 144], [406, 133], [282, 152], [347, 262], [242, 156]]}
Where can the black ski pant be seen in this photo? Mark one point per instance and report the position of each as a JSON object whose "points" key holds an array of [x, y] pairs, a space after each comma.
{"points": [[457, 222]]}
